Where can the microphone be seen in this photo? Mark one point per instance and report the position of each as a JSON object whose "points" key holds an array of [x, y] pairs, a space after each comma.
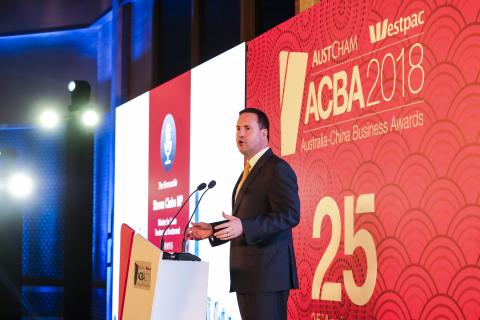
{"points": [[211, 184], [200, 187]]}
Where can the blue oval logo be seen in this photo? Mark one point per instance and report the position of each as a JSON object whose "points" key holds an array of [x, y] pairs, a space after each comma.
{"points": [[168, 142]]}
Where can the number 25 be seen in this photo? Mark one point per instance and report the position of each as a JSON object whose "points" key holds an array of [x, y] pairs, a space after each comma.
{"points": [[332, 291]]}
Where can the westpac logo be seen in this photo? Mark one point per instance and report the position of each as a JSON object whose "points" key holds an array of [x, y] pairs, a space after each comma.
{"points": [[168, 142], [293, 68], [382, 29]]}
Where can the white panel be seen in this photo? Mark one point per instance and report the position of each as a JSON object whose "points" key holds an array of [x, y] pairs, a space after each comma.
{"points": [[181, 290], [131, 177], [218, 94]]}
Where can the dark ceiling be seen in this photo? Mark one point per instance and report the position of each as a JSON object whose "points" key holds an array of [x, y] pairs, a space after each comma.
{"points": [[27, 16]]}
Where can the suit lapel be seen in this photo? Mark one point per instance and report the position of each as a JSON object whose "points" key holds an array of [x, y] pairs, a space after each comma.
{"points": [[235, 188], [251, 176]]}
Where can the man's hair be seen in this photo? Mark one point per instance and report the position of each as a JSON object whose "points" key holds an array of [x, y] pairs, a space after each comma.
{"points": [[262, 119]]}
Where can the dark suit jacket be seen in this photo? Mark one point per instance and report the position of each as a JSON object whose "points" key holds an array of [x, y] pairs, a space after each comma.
{"points": [[263, 259]]}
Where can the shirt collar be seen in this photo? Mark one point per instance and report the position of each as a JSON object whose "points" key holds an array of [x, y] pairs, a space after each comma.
{"points": [[253, 160]]}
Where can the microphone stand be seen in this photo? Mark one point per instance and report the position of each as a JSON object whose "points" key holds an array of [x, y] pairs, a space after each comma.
{"points": [[185, 256], [189, 220], [168, 255]]}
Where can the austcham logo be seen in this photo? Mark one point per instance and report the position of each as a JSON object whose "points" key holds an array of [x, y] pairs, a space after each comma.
{"points": [[293, 68], [383, 29]]}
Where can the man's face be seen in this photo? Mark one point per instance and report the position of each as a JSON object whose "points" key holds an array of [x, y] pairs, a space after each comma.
{"points": [[250, 138]]}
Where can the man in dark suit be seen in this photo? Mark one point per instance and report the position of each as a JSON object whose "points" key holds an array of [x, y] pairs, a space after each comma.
{"points": [[266, 207]]}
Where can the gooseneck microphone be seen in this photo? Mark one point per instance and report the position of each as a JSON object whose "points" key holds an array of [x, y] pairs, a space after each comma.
{"points": [[200, 187], [211, 184]]}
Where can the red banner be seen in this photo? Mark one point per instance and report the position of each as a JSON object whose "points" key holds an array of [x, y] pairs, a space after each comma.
{"points": [[376, 106], [169, 161]]}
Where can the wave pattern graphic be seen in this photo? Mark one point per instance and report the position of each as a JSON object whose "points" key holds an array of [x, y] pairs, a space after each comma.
{"points": [[426, 180]]}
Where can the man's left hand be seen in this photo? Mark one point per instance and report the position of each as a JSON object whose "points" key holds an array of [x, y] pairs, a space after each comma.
{"points": [[229, 230]]}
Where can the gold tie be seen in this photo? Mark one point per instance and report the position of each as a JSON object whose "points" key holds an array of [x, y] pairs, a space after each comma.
{"points": [[246, 170]]}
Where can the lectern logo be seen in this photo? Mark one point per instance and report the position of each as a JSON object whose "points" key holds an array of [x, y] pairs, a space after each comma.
{"points": [[168, 142], [143, 271], [293, 69]]}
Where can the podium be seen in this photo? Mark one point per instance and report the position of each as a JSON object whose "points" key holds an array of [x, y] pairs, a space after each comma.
{"points": [[152, 288]]}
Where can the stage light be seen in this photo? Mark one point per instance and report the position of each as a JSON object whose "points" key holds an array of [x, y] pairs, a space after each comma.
{"points": [[90, 118], [79, 94], [81, 109], [49, 119], [71, 86], [20, 185]]}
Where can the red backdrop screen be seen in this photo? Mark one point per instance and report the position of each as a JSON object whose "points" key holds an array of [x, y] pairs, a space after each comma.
{"points": [[376, 105]]}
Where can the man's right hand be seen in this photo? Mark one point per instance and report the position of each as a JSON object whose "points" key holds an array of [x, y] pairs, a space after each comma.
{"points": [[200, 231]]}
